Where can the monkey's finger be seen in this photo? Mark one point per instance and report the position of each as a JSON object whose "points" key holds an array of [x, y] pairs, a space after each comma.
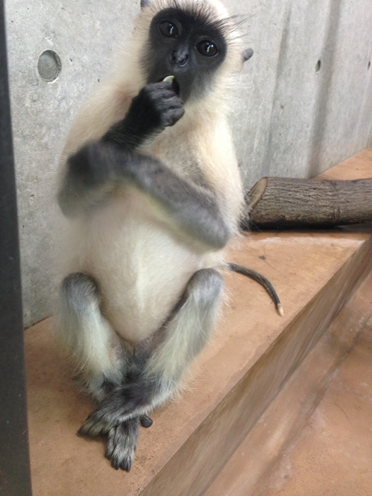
{"points": [[161, 86], [166, 88], [146, 421], [174, 115], [168, 97]]}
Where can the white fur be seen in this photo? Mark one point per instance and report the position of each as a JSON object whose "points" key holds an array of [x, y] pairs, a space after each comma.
{"points": [[130, 246]]}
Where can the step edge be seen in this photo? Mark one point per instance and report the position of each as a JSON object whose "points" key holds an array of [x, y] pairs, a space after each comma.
{"points": [[212, 423]]}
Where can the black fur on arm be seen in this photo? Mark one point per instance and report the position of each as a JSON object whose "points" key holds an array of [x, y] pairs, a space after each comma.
{"points": [[156, 107], [99, 167], [86, 180]]}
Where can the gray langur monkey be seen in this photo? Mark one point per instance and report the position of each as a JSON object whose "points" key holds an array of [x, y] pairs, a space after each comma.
{"points": [[152, 194]]}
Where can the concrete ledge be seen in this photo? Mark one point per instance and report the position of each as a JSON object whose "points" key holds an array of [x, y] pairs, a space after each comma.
{"points": [[249, 360], [206, 451], [333, 452], [250, 467]]}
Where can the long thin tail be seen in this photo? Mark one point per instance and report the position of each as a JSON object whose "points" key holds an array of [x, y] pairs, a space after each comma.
{"points": [[256, 276]]}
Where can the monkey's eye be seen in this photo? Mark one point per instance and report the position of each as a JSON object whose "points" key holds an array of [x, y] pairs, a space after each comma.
{"points": [[169, 29], [207, 48]]}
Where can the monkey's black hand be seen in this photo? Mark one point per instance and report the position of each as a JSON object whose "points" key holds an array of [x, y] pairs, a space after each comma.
{"points": [[156, 107]]}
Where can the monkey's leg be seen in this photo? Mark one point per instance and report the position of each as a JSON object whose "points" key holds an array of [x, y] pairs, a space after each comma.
{"points": [[183, 338], [80, 325], [123, 437]]}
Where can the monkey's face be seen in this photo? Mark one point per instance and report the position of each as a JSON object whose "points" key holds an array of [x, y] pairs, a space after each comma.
{"points": [[185, 45]]}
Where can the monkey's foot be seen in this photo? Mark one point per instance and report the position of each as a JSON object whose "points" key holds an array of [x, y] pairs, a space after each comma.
{"points": [[125, 403], [122, 444]]}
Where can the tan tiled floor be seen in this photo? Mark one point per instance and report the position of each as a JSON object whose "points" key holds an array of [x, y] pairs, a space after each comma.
{"points": [[333, 456]]}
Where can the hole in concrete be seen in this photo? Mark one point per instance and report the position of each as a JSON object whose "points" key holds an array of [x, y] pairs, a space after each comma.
{"points": [[49, 65], [318, 66], [369, 65]]}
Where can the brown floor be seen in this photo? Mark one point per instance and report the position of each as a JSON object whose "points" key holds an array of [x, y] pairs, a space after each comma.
{"points": [[333, 456], [63, 464]]}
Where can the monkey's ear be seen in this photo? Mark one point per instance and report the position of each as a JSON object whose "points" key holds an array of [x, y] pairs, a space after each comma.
{"points": [[247, 54], [144, 3]]}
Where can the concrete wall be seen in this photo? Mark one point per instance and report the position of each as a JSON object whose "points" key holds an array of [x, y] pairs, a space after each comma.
{"points": [[303, 102]]}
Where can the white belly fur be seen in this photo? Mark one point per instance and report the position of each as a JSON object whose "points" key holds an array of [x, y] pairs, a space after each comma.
{"points": [[141, 267]]}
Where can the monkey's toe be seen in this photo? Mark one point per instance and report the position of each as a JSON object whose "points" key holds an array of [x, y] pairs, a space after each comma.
{"points": [[93, 427], [146, 421]]}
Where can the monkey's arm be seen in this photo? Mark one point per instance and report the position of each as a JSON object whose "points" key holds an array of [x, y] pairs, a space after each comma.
{"points": [[156, 107], [99, 168]]}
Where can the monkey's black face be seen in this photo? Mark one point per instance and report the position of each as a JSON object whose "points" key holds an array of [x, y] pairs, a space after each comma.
{"points": [[184, 45]]}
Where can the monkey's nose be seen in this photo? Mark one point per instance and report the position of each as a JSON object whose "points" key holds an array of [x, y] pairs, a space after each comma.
{"points": [[179, 58]]}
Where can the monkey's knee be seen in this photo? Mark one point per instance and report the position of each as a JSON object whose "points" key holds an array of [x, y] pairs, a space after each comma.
{"points": [[205, 287], [79, 292]]}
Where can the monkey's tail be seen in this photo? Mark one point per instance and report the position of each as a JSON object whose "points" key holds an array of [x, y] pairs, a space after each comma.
{"points": [[256, 276]]}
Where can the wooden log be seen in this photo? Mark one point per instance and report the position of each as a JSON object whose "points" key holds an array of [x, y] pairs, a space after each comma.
{"points": [[282, 203]]}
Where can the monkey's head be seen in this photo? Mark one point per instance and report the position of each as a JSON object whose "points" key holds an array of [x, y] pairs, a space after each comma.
{"points": [[191, 40]]}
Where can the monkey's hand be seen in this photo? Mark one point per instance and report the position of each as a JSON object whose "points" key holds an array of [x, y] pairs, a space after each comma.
{"points": [[156, 107]]}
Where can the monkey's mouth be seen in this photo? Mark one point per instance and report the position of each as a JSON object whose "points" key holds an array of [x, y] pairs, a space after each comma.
{"points": [[174, 83]]}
